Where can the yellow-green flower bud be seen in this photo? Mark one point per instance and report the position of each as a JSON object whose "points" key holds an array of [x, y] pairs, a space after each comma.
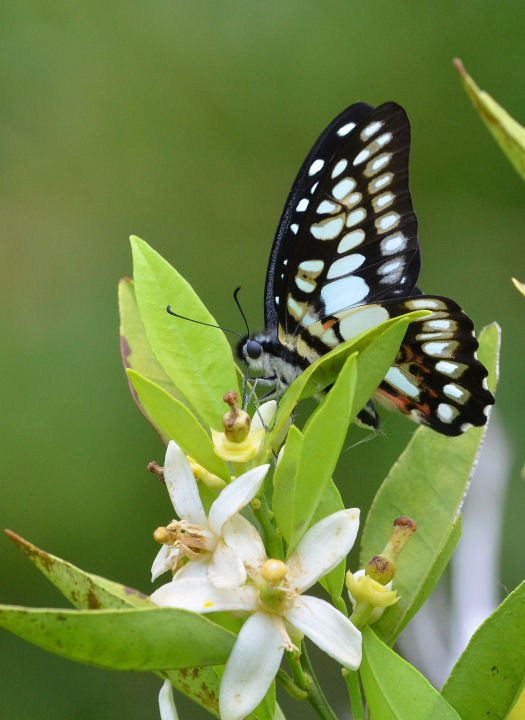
{"points": [[381, 569], [273, 571], [236, 423]]}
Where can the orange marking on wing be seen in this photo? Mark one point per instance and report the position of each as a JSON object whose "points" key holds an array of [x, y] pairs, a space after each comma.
{"points": [[405, 404], [328, 324]]}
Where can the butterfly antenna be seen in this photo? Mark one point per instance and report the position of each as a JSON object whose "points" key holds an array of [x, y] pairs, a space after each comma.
{"points": [[199, 322], [235, 293]]}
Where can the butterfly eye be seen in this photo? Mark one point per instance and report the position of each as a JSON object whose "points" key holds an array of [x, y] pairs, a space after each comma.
{"points": [[253, 349]]}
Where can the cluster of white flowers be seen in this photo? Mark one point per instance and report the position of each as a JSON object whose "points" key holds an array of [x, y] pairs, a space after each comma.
{"points": [[227, 568]]}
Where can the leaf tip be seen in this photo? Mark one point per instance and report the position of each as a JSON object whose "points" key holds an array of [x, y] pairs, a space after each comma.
{"points": [[459, 67]]}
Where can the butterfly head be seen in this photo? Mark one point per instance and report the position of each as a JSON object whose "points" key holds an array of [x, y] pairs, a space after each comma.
{"points": [[255, 353]]}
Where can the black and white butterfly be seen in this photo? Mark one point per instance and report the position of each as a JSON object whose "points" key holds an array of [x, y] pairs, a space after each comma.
{"points": [[345, 258]]}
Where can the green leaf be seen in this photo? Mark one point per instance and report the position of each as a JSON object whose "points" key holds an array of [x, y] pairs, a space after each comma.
{"points": [[85, 590], [135, 350], [508, 133], [394, 689], [489, 676], [82, 589], [197, 359], [324, 371], [428, 484], [177, 423], [123, 639], [324, 436], [331, 502], [284, 481]]}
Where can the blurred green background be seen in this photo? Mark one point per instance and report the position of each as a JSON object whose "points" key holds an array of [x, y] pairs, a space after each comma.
{"points": [[185, 123]]}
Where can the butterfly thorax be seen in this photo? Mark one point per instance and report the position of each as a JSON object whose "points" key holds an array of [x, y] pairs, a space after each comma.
{"points": [[271, 362]]}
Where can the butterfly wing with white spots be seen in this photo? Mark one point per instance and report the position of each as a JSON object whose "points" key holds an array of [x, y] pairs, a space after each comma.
{"points": [[346, 257]]}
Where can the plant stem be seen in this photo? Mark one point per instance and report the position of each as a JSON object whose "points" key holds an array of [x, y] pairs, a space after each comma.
{"points": [[291, 687], [274, 542], [316, 697], [354, 691]]}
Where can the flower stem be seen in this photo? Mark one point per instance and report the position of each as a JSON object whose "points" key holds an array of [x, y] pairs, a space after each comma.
{"points": [[291, 687], [316, 697], [354, 691], [274, 543]]}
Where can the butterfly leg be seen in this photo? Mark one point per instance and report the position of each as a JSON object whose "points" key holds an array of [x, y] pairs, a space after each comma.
{"points": [[258, 401], [248, 396]]}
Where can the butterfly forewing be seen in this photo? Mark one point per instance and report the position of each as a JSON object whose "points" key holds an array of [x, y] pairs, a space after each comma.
{"points": [[346, 258], [348, 235]]}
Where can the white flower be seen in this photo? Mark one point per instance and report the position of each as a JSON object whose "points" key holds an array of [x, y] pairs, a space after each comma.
{"points": [[167, 708], [195, 536], [273, 596]]}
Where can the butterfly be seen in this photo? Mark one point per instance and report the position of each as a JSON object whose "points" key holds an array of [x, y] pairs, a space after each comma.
{"points": [[345, 258]]}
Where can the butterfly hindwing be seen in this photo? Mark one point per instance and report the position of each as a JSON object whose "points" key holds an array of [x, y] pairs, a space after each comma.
{"points": [[437, 379]]}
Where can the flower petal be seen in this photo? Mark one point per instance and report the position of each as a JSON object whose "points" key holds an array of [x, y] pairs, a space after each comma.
{"points": [[194, 568], [182, 486], [252, 665], [328, 628], [263, 416], [244, 538], [167, 708], [226, 569], [201, 596], [376, 613], [235, 496], [322, 548], [166, 559]]}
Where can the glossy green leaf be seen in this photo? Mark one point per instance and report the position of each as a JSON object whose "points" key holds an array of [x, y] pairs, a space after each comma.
{"points": [[197, 359], [508, 133], [394, 689], [428, 484], [178, 423], [135, 349], [324, 435], [123, 639], [489, 676], [324, 371], [331, 502]]}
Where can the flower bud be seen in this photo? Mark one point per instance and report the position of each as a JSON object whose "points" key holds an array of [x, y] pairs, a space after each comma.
{"points": [[164, 536], [236, 423], [380, 569], [273, 571], [238, 443]]}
